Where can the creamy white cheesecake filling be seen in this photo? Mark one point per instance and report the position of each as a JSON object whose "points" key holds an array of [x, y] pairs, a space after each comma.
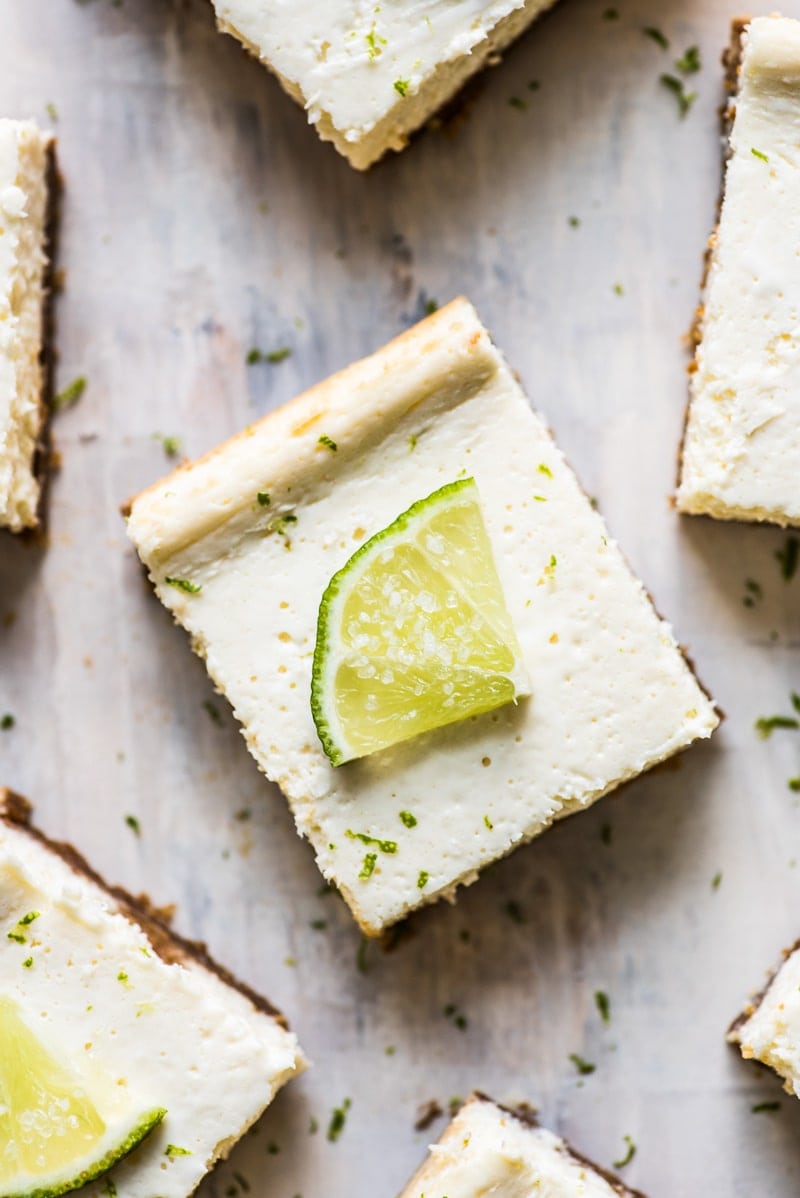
{"points": [[23, 214], [771, 1033], [369, 74], [741, 457], [251, 535], [136, 1030], [488, 1151]]}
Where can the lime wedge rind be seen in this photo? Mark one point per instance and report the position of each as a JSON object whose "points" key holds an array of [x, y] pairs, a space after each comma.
{"points": [[56, 1186], [460, 568]]}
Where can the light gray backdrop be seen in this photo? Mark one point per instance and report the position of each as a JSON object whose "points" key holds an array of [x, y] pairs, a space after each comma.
{"points": [[200, 218]]}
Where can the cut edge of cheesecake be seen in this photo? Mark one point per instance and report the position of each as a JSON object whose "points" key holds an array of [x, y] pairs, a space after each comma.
{"points": [[448, 350], [706, 503], [734, 1033], [16, 813], [38, 302], [410, 113], [526, 1119]]}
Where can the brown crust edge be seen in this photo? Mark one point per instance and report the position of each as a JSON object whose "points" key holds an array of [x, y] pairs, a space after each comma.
{"points": [[731, 62], [524, 1115], [16, 813], [43, 456], [752, 1006]]}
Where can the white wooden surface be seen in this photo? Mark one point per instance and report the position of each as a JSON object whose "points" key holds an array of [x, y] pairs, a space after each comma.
{"points": [[201, 217]]}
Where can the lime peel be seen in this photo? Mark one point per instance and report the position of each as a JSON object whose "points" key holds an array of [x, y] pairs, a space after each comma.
{"points": [[413, 631]]}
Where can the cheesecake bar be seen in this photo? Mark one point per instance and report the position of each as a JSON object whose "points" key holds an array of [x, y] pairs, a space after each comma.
{"points": [[489, 1150], [768, 1030], [368, 75], [109, 988], [242, 544], [26, 172], [741, 452]]}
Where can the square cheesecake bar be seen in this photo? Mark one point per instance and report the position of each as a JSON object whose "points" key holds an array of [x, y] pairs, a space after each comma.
{"points": [[26, 195], [768, 1030], [241, 545], [134, 1011], [741, 452], [368, 75], [487, 1149]]}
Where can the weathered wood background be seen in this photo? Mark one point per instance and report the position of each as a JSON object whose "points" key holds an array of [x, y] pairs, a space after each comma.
{"points": [[200, 218]]}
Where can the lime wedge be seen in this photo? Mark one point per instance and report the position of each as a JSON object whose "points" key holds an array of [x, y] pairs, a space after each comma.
{"points": [[52, 1137], [413, 632]]}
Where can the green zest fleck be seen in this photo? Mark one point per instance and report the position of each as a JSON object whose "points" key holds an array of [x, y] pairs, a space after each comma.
{"points": [[757, 154], [368, 868], [328, 442], [109, 1189], [263, 498], [409, 820], [338, 1120], [675, 85], [430, 306], [656, 36], [273, 356], [763, 1107], [584, 1067], [716, 881], [51, 110], [422, 879], [789, 557], [690, 63], [183, 584], [122, 978], [459, 1020], [170, 445], [7, 721], [133, 824], [573, 222], [17, 937], [385, 846], [174, 1150], [794, 784], [765, 725], [488, 823], [28, 919], [70, 394], [603, 1004], [375, 43], [401, 86], [27, 963], [630, 1153], [543, 469]]}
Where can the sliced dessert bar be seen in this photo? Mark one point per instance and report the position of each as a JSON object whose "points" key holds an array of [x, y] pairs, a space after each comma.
{"points": [[741, 452], [489, 1150], [768, 1030], [369, 75], [139, 1018], [26, 173], [242, 544]]}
